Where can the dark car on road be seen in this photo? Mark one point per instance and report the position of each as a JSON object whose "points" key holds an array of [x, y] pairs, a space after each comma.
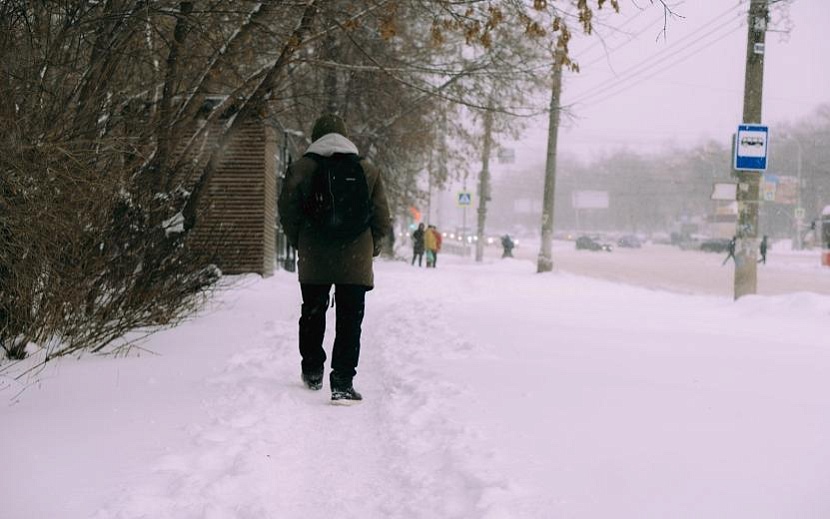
{"points": [[715, 245], [629, 242], [588, 243]]}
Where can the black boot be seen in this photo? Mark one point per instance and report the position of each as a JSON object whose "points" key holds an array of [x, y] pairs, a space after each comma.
{"points": [[313, 381], [342, 391]]}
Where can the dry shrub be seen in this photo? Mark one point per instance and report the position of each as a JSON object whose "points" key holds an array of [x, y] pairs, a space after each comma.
{"points": [[83, 261]]}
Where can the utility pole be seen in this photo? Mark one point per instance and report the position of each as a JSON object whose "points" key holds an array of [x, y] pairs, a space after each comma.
{"points": [[799, 216], [749, 182], [484, 181], [429, 190], [466, 247], [545, 261]]}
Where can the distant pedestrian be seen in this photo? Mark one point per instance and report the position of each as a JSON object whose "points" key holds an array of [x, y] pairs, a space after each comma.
{"points": [[418, 244], [334, 211], [730, 249], [432, 244], [764, 245], [507, 246]]}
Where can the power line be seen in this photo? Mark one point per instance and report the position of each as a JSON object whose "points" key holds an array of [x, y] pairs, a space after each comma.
{"points": [[644, 67], [674, 44], [607, 54], [662, 55], [659, 19], [613, 89], [598, 40], [628, 21], [656, 59]]}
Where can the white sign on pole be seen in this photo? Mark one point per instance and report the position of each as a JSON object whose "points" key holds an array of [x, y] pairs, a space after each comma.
{"points": [[724, 191], [769, 186], [507, 155], [751, 147], [589, 199]]}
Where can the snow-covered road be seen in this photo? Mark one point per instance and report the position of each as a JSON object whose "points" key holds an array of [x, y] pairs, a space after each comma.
{"points": [[491, 392], [666, 267]]}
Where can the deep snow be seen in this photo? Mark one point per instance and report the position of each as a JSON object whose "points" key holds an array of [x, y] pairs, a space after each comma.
{"points": [[491, 392]]}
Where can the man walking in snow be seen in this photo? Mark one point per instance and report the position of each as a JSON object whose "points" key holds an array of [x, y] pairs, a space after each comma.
{"points": [[334, 211], [730, 249], [763, 248], [507, 246]]}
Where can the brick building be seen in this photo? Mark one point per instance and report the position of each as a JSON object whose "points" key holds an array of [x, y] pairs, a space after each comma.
{"points": [[237, 226]]}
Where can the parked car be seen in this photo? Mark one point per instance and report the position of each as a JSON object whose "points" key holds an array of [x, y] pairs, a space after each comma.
{"points": [[715, 245], [588, 243], [629, 241]]}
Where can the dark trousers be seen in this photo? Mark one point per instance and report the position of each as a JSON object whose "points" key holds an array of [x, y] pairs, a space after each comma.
{"points": [[349, 304], [419, 256], [432, 258]]}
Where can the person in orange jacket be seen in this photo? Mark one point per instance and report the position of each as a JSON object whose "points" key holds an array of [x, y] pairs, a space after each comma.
{"points": [[432, 244]]}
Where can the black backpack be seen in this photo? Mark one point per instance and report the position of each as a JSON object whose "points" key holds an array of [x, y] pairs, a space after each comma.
{"points": [[337, 204]]}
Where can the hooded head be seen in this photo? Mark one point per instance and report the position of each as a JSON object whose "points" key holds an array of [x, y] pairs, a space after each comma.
{"points": [[328, 123]]}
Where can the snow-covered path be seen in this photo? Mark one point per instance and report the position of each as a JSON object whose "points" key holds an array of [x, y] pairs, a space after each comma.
{"points": [[491, 392], [274, 449]]}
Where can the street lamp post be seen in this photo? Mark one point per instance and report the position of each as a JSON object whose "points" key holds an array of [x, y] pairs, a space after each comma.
{"points": [[799, 217]]}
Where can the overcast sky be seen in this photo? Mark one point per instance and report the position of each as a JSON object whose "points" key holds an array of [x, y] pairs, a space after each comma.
{"points": [[640, 90]]}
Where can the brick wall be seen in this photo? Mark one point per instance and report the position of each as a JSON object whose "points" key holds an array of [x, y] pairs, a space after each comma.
{"points": [[238, 213]]}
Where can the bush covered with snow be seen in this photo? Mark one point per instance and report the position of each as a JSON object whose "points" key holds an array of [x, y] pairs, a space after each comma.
{"points": [[82, 261]]}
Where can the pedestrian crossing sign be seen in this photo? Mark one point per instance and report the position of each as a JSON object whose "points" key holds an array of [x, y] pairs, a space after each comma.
{"points": [[465, 199]]}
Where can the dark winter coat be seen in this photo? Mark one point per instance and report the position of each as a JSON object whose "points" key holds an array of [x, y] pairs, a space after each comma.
{"points": [[323, 260], [418, 241]]}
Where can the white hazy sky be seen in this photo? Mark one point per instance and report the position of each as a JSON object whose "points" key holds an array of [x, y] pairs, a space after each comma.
{"points": [[642, 91]]}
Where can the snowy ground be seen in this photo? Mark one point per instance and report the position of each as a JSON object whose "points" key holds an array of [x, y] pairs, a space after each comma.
{"points": [[491, 392], [666, 267]]}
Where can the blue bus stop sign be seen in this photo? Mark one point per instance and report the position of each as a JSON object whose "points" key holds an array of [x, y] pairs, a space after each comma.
{"points": [[751, 144]]}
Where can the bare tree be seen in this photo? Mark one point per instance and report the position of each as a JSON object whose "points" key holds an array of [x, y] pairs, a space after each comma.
{"points": [[105, 107]]}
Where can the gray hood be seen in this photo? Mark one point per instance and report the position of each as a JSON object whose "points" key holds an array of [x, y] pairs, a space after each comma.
{"points": [[332, 143]]}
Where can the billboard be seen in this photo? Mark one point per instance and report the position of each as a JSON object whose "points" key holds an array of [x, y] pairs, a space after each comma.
{"points": [[724, 191], [527, 206], [787, 190], [589, 199]]}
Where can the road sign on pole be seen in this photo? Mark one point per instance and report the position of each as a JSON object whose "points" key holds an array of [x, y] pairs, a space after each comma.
{"points": [[751, 147], [465, 199]]}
